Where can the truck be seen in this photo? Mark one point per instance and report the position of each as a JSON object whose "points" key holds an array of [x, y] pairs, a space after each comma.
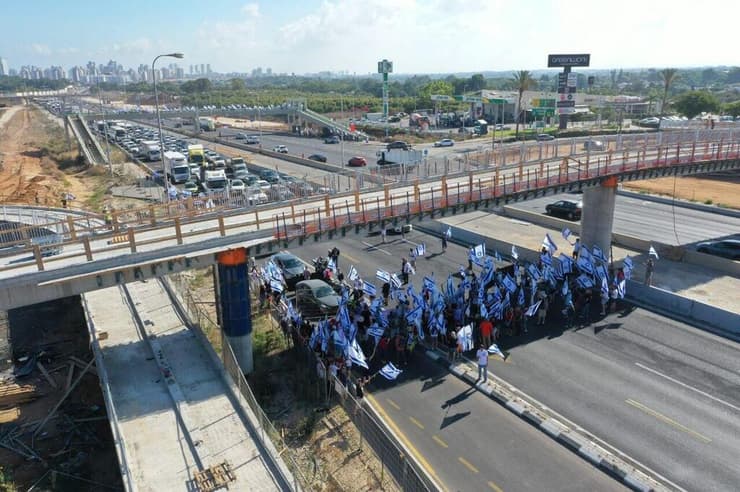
{"points": [[207, 124], [179, 170], [149, 150], [400, 156], [215, 181]]}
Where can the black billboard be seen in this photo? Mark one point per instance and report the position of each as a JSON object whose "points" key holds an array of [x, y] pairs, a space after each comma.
{"points": [[568, 60]]}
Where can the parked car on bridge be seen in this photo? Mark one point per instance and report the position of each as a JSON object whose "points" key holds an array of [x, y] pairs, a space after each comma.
{"points": [[281, 149], [316, 298], [445, 142], [726, 248], [399, 144], [544, 137], [290, 266], [566, 209], [357, 161], [317, 157]]}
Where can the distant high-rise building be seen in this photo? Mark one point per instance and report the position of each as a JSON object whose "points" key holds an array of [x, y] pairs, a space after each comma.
{"points": [[179, 73], [4, 70], [208, 69], [191, 70], [268, 71], [202, 69]]}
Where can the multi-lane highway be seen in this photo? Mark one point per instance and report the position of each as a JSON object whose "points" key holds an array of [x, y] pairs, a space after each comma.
{"points": [[661, 391], [655, 221]]}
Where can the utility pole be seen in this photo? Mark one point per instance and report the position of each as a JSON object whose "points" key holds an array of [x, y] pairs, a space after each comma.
{"points": [[385, 67]]}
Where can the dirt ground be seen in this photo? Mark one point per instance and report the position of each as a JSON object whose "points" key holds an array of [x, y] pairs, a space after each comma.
{"points": [[724, 192], [271, 126]]}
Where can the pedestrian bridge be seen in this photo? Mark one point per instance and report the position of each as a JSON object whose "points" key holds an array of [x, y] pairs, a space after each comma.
{"points": [[160, 239]]}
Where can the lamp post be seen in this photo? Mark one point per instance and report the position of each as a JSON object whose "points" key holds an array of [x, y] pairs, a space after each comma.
{"points": [[341, 135], [159, 122]]}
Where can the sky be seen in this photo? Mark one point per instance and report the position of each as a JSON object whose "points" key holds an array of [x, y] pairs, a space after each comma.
{"points": [[419, 36]]}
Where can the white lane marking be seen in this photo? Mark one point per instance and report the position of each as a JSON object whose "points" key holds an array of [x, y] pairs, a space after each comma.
{"points": [[372, 246], [703, 393]]}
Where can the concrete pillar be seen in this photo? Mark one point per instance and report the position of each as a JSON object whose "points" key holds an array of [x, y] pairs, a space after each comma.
{"points": [[233, 297], [598, 215]]}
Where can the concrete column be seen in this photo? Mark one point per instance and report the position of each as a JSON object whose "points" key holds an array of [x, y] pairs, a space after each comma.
{"points": [[598, 215], [233, 296]]}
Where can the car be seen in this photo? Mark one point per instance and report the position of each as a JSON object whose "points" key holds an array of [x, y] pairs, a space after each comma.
{"points": [[240, 136], [315, 298], [544, 137], [399, 144], [593, 145], [726, 248], [445, 142], [357, 161], [270, 175], [280, 149], [317, 157], [255, 196], [332, 140], [650, 121], [240, 170], [290, 266], [262, 184], [566, 209], [252, 139], [237, 185], [191, 186]]}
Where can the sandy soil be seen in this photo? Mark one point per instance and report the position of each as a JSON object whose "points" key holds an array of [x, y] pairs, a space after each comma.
{"points": [[252, 125], [725, 192]]}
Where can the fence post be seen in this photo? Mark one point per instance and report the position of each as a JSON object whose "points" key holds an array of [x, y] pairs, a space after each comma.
{"points": [[132, 240], [257, 219], [71, 226], [178, 230], [387, 193], [326, 205]]}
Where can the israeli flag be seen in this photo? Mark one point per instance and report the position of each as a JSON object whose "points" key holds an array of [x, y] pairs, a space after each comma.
{"points": [[396, 282], [331, 265], [376, 332], [497, 256], [566, 263], [584, 264], [532, 309], [493, 349], [548, 243], [487, 275], [356, 355], [546, 259], [622, 289], [601, 272], [429, 284], [627, 263], [276, 285], [448, 232], [421, 249], [652, 252], [390, 372], [585, 254], [383, 276], [598, 254], [520, 299], [514, 253], [413, 315], [352, 274], [566, 234], [604, 287], [480, 250], [369, 289], [483, 311], [509, 283], [584, 281]]}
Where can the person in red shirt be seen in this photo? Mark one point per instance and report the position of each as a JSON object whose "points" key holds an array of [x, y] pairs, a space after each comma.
{"points": [[486, 329]]}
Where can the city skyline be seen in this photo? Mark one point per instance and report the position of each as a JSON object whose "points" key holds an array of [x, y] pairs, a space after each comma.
{"points": [[351, 35]]}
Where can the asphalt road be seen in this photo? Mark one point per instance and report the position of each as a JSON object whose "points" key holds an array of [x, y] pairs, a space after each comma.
{"points": [[661, 391], [655, 221]]}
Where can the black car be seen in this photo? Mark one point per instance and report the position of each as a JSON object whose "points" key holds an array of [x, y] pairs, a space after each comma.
{"points": [[566, 209], [270, 176], [399, 144], [726, 248], [317, 157], [290, 266], [332, 140]]}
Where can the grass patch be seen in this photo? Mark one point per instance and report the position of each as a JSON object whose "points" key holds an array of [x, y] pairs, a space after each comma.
{"points": [[708, 201]]}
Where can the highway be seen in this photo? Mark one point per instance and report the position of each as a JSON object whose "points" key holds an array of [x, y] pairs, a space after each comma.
{"points": [[655, 221], [659, 390]]}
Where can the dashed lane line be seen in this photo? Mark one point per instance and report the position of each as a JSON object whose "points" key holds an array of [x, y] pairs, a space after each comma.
{"points": [[416, 423], [667, 420], [393, 403], [468, 464], [439, 441]]}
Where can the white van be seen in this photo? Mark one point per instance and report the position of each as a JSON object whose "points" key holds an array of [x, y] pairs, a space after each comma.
{"points": [[178, 166]]}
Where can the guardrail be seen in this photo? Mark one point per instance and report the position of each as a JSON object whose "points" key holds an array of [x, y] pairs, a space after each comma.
{"points": [[299, 218]]}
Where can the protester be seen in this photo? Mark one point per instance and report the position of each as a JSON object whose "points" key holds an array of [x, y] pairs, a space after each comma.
{"points": [[649, 268], [482, 356]]}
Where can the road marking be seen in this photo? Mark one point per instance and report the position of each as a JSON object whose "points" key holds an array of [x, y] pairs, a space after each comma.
{"points": [[393, 403], [372, 247], [495, 487], [667, 420], [467, 464], [688, 386], [419, 457], [351, 258], [440, 442], [416, 423]]}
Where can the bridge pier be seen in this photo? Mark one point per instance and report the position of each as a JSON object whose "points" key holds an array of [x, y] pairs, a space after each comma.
{"points": [[598, 215], [234, 304]]}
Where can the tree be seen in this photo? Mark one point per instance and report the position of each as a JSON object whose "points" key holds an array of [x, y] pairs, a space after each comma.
{"points": [[523, 81], [237, 84], [694, 103], [733, 108], [197, 85], [669, 76], [439, 87], [477, 82]]}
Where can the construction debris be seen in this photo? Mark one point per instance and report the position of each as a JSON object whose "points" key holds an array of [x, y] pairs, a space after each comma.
{"points": [[214, 477], [13, 394], [47, 375]]}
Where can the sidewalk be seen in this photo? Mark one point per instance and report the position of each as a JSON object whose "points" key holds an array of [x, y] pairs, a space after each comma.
{"points": [[704, 285]]}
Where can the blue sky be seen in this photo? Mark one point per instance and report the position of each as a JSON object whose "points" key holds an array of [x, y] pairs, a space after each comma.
{"points": [[352, 35]]}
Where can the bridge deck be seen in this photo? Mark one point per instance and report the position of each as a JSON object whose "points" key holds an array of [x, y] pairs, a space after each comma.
{"points": [[171, 427]]}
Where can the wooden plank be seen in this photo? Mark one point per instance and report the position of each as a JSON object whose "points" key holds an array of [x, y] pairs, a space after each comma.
{"points": [[46, 375]]}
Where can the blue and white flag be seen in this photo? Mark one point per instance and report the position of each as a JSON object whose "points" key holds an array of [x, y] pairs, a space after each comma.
{"points": [[450, 288], [429, 284], [480, 250], [413, 315], [652, 252], [598, 254], [448, 232], [493, 349], [565, 290], [421, 249], [548, 243], [546, 259], [584, 264], [487, 275], [532, 309], [331, 265], [566, 263], [627, 263], [483, 311], [465, 335], [276, 285], [566, 234], [383, 276], [601, 272], [520, 299], [604, 287], [369, 289], [584, 281], [622, 289], [356, 355], [390, 372], [352, 274], [514, 253], [376, 332], [585, 254], [509, 283], [395, 281], [497, 256]]}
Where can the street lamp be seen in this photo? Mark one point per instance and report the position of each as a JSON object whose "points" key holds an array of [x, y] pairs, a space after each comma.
{"points": [[159, 122]]}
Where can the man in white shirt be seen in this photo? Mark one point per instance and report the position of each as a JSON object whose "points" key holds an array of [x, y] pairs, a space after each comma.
{"points": [[482, 356]]}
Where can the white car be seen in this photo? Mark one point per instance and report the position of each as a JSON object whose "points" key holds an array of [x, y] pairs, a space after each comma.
{"points": [[282, 149], [237, 185], [445, 142], [262, 184], [256, 196]]}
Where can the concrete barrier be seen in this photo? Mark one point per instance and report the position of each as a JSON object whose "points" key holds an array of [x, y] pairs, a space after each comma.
{"points": [[674, 253], [681, 203], [703, 316]]}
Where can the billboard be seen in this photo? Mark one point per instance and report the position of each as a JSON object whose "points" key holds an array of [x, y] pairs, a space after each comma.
{"points": [[581, 60]]}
